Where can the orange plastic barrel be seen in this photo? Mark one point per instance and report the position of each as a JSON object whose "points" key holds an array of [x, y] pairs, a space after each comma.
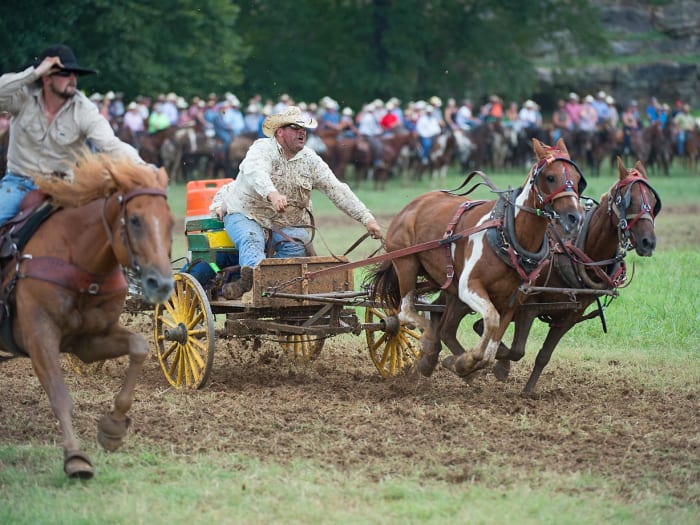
{"points": [[200, 194]]}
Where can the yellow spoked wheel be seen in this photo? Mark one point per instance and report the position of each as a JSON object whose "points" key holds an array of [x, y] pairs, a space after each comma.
{"points": [[302, 347], [184, 334], [394, 348]]}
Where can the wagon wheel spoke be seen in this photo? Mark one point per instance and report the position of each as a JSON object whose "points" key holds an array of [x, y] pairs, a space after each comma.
{"points": [[184, 334], [302, 347], [395, 349]]}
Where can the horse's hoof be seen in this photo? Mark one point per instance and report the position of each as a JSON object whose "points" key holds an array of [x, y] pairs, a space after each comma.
{"points": [[77, 465], [426, 364], [450, 363], [501, 372], [111, 431]]}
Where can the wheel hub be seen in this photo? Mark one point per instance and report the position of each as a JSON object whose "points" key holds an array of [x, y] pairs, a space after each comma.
{"points": [[177, 333], [392, 325]]}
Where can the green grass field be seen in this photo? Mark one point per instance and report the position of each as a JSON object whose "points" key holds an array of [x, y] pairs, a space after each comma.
{"points": [[653, 331]]}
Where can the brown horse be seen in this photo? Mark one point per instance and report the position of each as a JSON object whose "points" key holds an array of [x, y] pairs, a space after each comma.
{"points": [[485, 262], [623, 220], [68, 287]]}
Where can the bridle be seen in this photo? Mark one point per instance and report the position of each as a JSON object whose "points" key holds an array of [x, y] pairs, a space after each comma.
{"points": [[618, 204], [565, 190], [123, 199]]}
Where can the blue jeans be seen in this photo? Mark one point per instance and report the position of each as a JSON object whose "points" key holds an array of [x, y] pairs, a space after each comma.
{"points": [[427, 145], [249, 238], [13, 188]]}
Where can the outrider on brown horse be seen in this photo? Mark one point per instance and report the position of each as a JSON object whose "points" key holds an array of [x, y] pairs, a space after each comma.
{"points": [[67, 287], [489, 249], [623, 220]]}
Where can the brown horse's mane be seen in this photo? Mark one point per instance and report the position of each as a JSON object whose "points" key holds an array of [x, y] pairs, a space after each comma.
{"points": [[98, 175]]}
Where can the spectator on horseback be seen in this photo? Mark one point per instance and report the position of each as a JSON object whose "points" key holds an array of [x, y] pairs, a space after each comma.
{"points": [[450, 113], [588, 118], [133, 121], [272, 194], [347, 123], [396, 104], [601, 107], [329, 119], [233, 115], [427, 127], [436, 102], [170, 109], [370, 130], [561, 121], [158, 120], [50, 123], [492, 110], [465, 118], [685, 123], [116, 107], [510, 117], [653, 111], [389, 121], [529, 115], [573, 108], [630, 126], [251, 118]]}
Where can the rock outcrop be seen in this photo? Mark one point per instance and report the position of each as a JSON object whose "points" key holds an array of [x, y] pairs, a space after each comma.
{"points": [[668, 34]]}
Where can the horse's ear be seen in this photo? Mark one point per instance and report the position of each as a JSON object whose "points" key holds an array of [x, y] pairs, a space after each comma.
{"points": [[538, 147], [640, 168], [561, 146], [621, 168]]}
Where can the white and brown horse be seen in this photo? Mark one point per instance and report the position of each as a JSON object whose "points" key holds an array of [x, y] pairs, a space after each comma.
{"points": [[623, 220], [488, 249]]}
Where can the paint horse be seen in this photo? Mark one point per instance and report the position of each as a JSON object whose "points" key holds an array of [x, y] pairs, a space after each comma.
{"points": [[623, 220], [487, 249]]}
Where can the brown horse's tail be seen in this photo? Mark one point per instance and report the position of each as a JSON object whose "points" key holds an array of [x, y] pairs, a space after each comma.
{"points": [[383, 286]]}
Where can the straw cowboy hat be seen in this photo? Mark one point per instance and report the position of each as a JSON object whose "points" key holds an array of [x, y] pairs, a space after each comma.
{"points": [[291, 115], [65, 53]]}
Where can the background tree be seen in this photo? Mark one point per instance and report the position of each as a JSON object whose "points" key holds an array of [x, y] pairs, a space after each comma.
{"points": [[353, 50], [187, 46]]}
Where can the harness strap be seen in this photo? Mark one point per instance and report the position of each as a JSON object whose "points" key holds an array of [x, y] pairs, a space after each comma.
{"points": [[62, 273], [450, 267], [409, 250]]}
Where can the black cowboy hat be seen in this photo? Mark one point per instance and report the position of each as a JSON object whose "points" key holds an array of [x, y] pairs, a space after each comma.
{"points": [[65, 53]]}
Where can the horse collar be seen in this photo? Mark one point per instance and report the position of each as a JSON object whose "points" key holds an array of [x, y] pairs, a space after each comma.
{"points": [[504, 243]]}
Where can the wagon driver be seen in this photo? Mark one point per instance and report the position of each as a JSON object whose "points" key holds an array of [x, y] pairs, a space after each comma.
{"points": [[51, 121], [271, 196]]}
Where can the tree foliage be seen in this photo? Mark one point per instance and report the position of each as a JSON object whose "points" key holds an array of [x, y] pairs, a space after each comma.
{"points": [[187, 46], [353, 50]]}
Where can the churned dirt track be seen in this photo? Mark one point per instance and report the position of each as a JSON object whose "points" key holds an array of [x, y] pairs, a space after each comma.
{"points": [[339, 411]]}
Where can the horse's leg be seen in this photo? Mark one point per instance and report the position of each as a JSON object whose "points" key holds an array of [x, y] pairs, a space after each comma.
{"points": [[430, 346], [450, 324], [556, 332], [112, 427], [44, 355], [523, 320], [494, 327]]}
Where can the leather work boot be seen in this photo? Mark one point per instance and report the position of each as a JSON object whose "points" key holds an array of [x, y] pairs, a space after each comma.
{"points": [[236, 289]]}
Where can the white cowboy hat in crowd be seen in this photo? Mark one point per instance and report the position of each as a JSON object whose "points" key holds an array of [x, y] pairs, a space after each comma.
{"points": [[291, 115]]}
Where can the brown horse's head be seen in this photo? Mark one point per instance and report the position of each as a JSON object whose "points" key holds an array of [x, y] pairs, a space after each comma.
{"points": [[557, 183], [137, 220], [634, 204]]}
